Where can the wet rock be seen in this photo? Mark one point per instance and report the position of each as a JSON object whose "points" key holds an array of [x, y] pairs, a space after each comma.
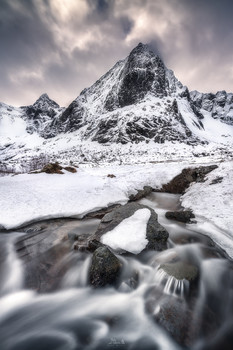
{"points": [[105, 268], [141, 193], [174, 316], [181, 182], [181, 270], [156, 234], [94, 244], [182, 216], [99, 214]]}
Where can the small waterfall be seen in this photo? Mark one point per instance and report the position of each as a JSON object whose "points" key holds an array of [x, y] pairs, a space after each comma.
{"points": [[171, 285], [154, 307], [77, 275]]}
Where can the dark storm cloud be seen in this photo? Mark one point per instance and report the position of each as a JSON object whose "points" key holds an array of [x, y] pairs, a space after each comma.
{"points": [[63, 46], [24, 41]]}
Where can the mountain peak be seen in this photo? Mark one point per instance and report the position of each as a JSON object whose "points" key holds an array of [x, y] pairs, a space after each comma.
{"points": [[45, 101], [144, 72], [142, 48]]}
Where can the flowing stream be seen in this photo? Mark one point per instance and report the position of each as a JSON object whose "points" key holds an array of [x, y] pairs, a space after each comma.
{"points": [[47, 303]]}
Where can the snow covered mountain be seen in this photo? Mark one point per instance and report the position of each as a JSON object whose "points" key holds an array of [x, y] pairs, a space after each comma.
{"points": [[139, 100], [33, 119], [40, 115]]}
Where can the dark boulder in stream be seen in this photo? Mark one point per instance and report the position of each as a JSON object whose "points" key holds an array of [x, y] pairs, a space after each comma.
{"points": [[105, 268], [156, 234], [182, 216]]}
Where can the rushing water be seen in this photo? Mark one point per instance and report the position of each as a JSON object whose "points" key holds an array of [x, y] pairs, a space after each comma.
{"points": [[148, 310]]}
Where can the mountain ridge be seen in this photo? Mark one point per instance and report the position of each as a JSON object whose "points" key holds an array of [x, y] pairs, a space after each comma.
{"points": [[138, 99]]}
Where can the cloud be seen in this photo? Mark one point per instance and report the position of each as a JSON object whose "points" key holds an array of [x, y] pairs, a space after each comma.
{"points": [[63, 46]]}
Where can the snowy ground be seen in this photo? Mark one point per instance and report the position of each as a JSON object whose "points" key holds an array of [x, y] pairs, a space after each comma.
{"points": [[31, 197], [212, 204], [26, 152]]}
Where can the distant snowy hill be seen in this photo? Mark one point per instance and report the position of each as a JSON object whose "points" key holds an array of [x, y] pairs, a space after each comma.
{"points": [[139, 100]]}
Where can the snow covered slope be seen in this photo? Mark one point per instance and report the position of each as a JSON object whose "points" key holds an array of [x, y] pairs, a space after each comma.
{"points": [[17, 121]]}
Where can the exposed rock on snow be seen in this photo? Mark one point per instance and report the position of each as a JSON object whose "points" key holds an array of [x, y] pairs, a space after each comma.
{"points": [[181, 182], [141, 193]]}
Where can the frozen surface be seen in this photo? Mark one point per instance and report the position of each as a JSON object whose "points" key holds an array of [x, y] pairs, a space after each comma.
{"points": [[211, 202], [31, 197], [130, 234]]}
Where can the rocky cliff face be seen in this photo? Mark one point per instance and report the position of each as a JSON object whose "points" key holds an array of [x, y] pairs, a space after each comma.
{"points": [[40, 115], [219, 105]]}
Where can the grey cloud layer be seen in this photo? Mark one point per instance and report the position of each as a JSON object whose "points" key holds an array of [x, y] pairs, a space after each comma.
{"points": [[63, 46]]}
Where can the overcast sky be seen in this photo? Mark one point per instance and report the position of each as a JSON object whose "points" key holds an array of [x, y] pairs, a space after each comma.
{"points": [[63, 46]]}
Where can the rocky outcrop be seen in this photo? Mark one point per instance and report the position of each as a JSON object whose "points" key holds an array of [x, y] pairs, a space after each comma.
{"points": [[105, 268], [143, 72], [181, 182], [218, 106], [182, 216], [157, 235], [141, 193], [40, 116]]}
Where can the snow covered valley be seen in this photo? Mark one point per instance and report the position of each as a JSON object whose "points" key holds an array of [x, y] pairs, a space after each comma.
{"points": [[180, 297]]}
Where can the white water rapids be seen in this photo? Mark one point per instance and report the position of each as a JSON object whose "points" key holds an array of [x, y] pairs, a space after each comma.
{"points": [[148, 310]]}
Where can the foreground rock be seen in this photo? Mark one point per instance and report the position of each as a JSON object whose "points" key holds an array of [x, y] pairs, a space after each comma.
{"points": [[105, 268], [156, 235], [182, 216], [181, 182]]}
